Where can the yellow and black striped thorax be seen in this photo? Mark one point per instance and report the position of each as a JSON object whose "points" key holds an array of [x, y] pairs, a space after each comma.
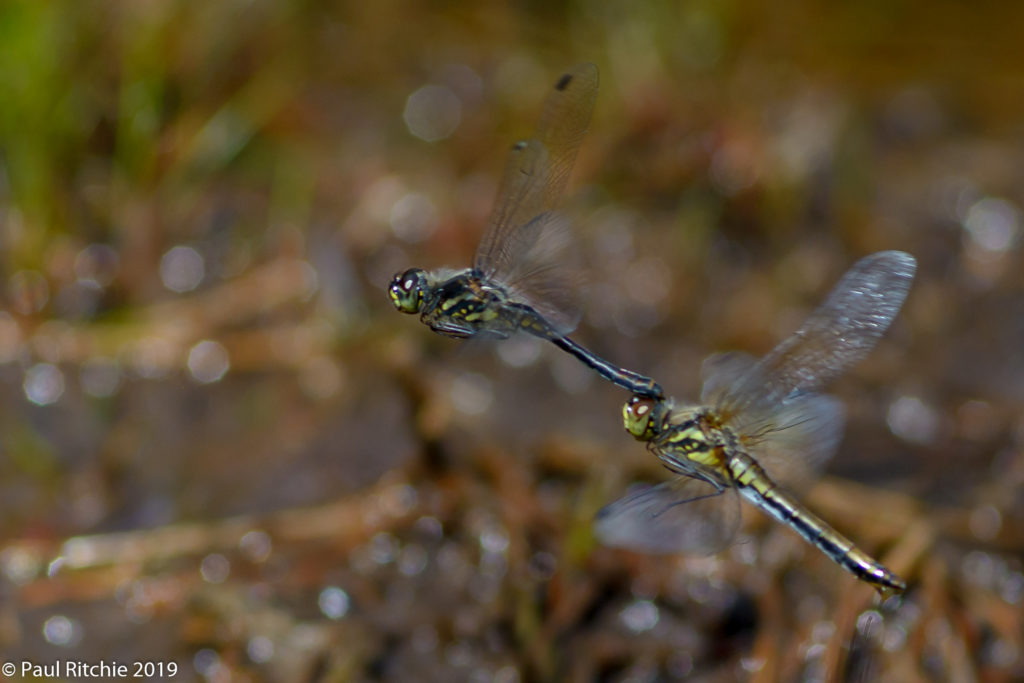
{"points": [[465, 298], [689, 442], [684, 440], [464, 304]]}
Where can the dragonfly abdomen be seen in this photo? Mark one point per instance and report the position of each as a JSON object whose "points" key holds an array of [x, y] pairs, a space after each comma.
{"points": [[755, 485], [640, 385]]}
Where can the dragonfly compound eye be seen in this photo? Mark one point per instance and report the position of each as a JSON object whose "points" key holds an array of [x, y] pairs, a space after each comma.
{"points": [[638, 416], [406, 290]]}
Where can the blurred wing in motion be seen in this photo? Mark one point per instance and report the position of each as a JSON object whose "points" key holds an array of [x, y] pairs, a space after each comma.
{"points": [[547, 275], [720, 372], [535, 176], [794, 439], [838, 334], [682, 515]]}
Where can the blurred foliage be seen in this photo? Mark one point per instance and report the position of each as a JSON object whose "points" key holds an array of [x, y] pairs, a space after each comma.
{"points": [[219, 444]]}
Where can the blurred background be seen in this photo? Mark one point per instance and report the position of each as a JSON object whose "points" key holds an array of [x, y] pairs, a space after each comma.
{"points": [[222, 448]]}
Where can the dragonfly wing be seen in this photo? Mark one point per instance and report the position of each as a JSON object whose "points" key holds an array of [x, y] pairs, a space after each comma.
{"points": [[535, 176], [682, 515], [791, 439], [839, 333], [547, 274], [519, 200], [794, 444], [722, 373]]}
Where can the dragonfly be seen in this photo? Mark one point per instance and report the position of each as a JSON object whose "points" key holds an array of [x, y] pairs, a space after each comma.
{"points": [[762, 429], [523, 278]]}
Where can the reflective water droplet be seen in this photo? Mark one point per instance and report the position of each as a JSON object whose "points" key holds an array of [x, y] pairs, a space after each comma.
{"points": [[208, 362], [44, 384], [912, 420], [260, 649], [334, 602], [1011, 588], [60, 630], [182, 269], [19, 565], [493, 539], [383, 548], [640, 616], [993, 224], [207, 662], [412, 560], [215, 568], [256, 545], [433, 112], [752, 664]]}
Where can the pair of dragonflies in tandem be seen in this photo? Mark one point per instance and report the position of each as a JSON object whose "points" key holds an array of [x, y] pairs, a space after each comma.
{"points": [[761, 425]]}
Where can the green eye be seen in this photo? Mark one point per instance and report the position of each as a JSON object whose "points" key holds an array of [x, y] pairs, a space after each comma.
{"points": [[406, 290], [638, 417]]}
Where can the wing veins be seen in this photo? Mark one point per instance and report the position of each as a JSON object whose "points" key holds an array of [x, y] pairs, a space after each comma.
{"points": [[839, 333], [538, 168]]}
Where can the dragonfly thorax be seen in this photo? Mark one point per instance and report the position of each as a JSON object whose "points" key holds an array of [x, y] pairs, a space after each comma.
{"points": [[687, 443], [463, 305]]}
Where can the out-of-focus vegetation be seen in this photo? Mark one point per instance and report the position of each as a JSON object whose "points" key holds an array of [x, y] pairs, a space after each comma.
{"points": [[221, 446]]}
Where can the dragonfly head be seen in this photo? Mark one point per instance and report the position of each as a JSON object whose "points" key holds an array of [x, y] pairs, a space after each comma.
{"points": [[643, 417], [406, 290]]}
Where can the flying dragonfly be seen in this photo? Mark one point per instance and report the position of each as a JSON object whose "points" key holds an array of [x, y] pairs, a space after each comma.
{"points": [[523, 279], [761, 425]]}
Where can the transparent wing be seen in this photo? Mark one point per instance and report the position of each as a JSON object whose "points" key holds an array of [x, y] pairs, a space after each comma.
{"points": [[839, 333], [681, 515], [537, 172], [547, 274], [520, 199], [801, 437], [794, 439], [720, 372]]}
